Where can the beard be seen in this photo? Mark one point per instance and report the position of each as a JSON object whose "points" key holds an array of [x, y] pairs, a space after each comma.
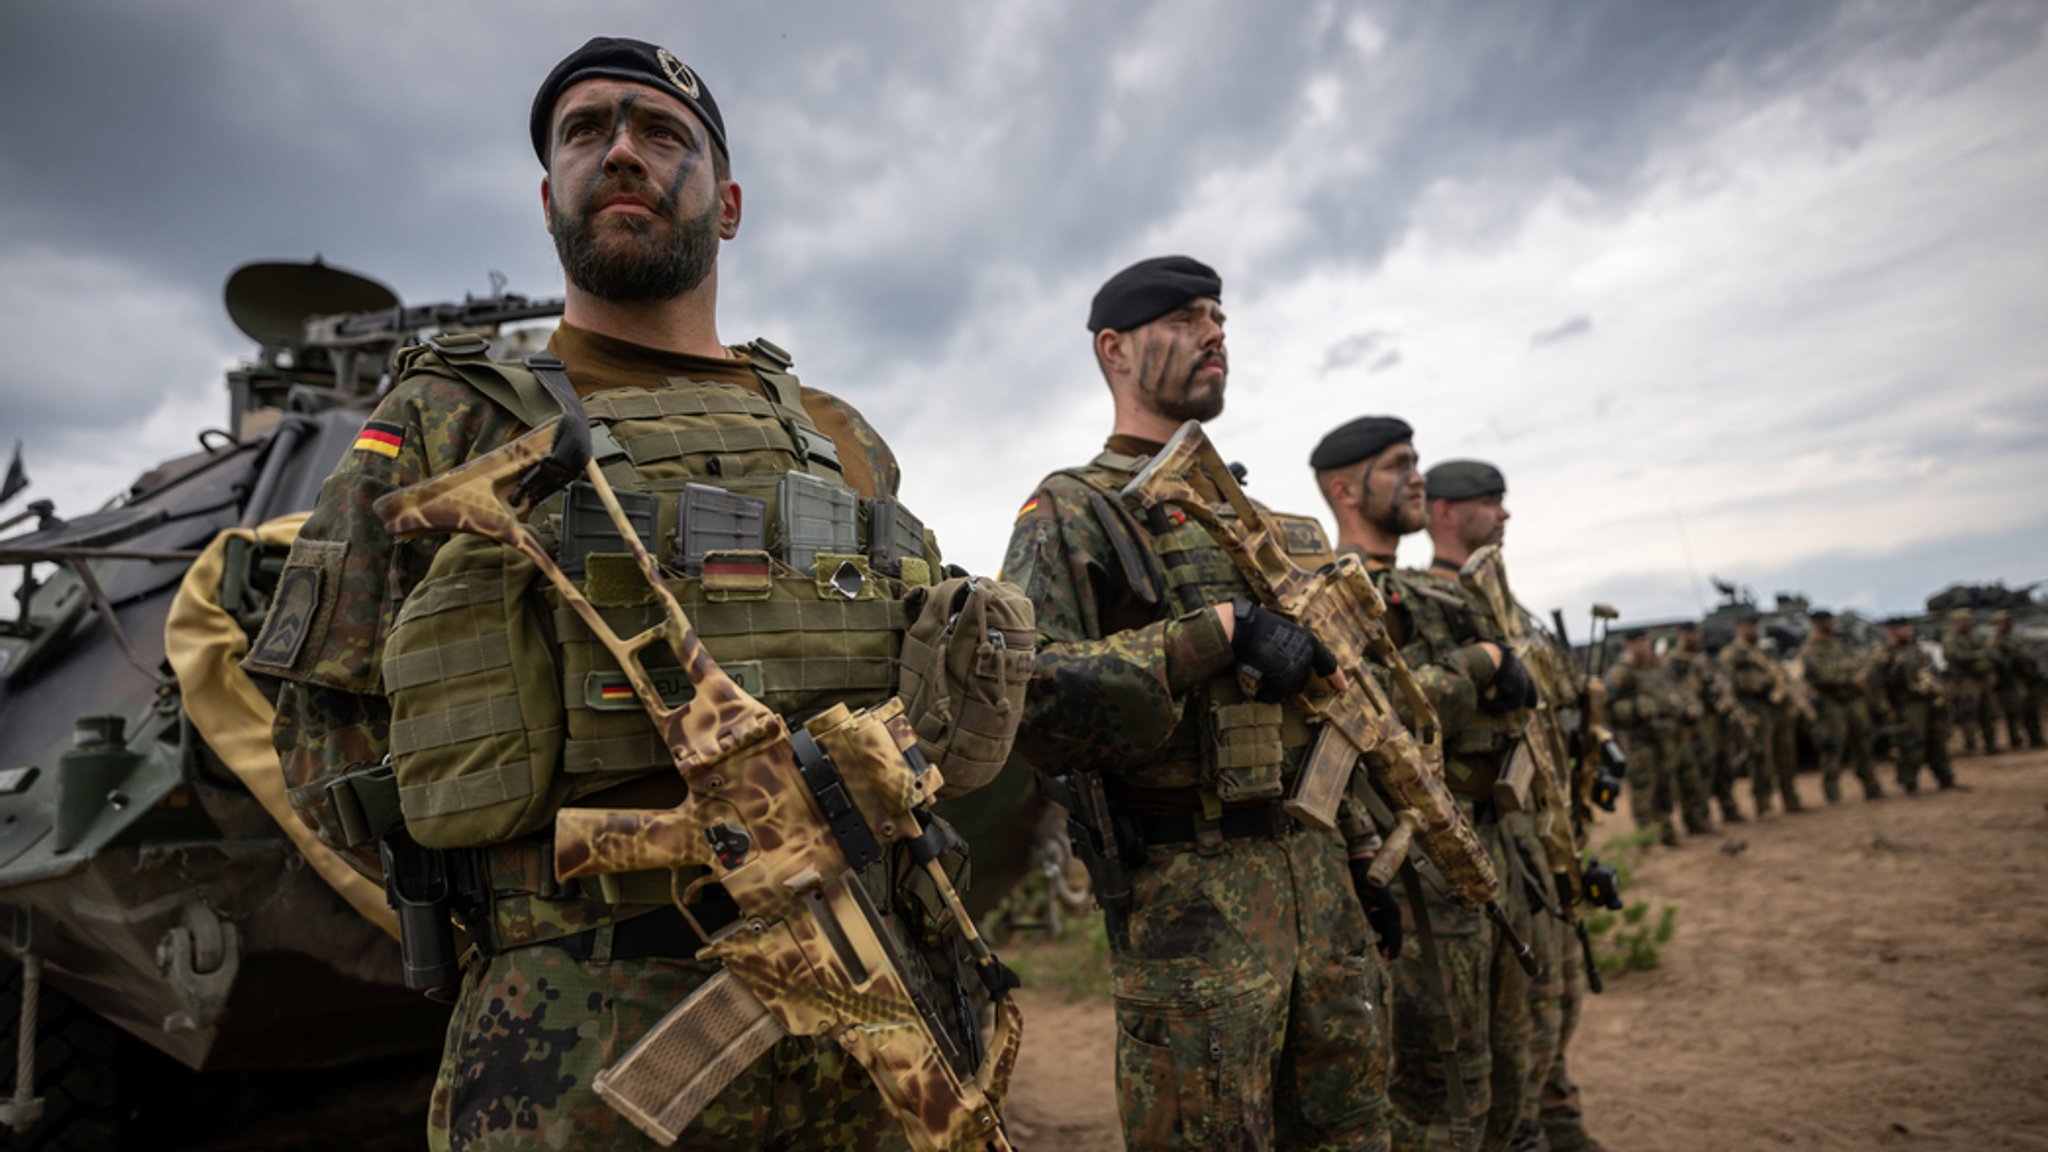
{"points": [[638, 258], [1402, 516], [1192, 399]]}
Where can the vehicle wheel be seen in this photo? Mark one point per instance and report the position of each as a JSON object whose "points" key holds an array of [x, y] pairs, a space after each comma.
{"points": [[78, 1061]]}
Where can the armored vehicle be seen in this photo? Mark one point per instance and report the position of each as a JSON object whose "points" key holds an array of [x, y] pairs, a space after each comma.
{"points": [[167, 911]]}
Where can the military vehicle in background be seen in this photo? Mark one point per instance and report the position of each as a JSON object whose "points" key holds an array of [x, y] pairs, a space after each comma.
{"points": [[162, 901]]}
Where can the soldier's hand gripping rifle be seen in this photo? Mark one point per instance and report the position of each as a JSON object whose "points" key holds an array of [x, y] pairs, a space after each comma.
{"points": [[783, 820], [1340, 607]]}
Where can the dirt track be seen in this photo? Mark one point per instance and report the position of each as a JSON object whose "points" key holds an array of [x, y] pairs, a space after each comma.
{"points": [[1868, 976]]}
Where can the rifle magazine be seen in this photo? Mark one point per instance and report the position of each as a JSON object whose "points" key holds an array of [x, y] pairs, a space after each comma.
{"points": [[668, 1078]]}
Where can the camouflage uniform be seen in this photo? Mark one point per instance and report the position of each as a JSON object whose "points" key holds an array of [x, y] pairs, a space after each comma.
{"points": [[1837, 674], [565, 981], [1971, 677], [1760, 689], [1916, 714], [1250, 997], [1649, 705], [1562, 1116], [2019, 689], [1719, 729], [1440, 630]]}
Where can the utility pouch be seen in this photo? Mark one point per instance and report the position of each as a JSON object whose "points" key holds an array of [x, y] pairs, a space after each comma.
{"points": [[1517, 775], [966, 660], [476, 704], [1246, 749]]}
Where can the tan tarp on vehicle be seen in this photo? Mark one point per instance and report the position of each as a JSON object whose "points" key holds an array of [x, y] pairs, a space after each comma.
{"points": [[205, 647]]}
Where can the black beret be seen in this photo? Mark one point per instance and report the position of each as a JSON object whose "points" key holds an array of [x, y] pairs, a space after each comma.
{"points": [[1748, 616], [1150, 289], [1687, 626], [615, 58], [1464, 480], [1365, 436], [1820, 614], [1898, 621]]}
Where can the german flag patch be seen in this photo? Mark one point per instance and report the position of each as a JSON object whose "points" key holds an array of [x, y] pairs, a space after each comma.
{"points": [[1026, 510], [379, 437]]}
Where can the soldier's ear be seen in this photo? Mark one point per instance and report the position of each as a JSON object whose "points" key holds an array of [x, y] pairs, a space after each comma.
{"points": [[1112, 353], [547, 217], [729, 202]]}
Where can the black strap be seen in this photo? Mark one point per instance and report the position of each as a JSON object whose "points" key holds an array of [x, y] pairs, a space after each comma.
{"points": [[1263, 822], [663, 933], [572, 438]]}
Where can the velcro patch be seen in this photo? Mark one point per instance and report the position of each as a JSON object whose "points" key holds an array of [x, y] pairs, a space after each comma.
{"points": [[291, 618], [381, 437], [738, 574], [1029, 506]]}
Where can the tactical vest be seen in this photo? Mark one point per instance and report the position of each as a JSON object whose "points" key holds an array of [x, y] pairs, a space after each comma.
{"points": [[1441, 616], [505, 706], [1228, 748]]}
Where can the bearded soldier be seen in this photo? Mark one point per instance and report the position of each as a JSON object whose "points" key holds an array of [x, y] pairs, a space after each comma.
{"points": [[1722, 728], [1249, 994], [1972, 678], [1367, 472], [1836, 672], [1914, 709], [497, 705], [2019, 682], [1761, 689], [1651, 707]]}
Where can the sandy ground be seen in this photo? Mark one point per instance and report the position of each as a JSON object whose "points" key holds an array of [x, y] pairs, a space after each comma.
{"points": [[1866, 976]]}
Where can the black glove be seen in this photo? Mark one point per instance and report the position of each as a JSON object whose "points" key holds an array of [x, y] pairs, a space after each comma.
{"points": [[1275, 654], [1382, 910], [1511, 686]]}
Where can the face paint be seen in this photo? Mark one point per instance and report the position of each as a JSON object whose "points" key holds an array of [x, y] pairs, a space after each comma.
{"points": [[627, 256]]}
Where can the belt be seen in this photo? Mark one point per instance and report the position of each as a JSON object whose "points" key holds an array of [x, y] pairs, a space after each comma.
{"points": [[1257, 822], [660, 933]]}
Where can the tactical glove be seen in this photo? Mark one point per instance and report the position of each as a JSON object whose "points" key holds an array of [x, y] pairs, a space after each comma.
{"points": [[1274, 654], [1511, 687], [1382, 910]]}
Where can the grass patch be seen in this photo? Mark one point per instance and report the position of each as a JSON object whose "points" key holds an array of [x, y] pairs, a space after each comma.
{"points": [[1075, 963], [1630, 940]]}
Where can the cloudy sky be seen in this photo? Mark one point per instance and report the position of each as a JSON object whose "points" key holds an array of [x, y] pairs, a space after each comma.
{"points": [[1749, 289]]}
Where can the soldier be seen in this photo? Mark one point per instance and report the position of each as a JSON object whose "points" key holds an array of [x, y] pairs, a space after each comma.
{"points": [[1466, 505], [1249, 996], [1914, 710], [2019, 682], [1972, 676], [1367, 472], [1722, 731], [1760, 688], [639, 195], [1651, 707], [1836, 672]]}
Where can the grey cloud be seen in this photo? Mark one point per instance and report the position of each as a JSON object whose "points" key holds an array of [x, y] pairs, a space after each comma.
{"points": [[1389, 359], [1574, 327], [1352, 349]]}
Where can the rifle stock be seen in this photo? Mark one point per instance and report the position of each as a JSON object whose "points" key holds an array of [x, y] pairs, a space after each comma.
{"points": [[1340, 607], [782, 821]]}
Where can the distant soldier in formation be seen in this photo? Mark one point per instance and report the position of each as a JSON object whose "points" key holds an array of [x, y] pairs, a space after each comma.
{"points": [[1761, 688], [1915, 711], [2019, 682], [1651, 707], [1722, 732], [1836, 672], [1971, 678]]}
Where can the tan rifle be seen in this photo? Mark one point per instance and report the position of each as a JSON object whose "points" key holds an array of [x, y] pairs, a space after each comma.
{"points": [[783, 821], [1340, 607], [1540, 754]]}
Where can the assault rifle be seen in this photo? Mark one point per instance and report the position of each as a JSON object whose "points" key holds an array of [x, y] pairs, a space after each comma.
{"points": [[1545, 747], [782, 820], [1340, 607], [1601, 764]]}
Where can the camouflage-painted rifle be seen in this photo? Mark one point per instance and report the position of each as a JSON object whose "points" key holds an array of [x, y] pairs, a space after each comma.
{"points": [[1340, 607], [783, 821], [1542, 747]]}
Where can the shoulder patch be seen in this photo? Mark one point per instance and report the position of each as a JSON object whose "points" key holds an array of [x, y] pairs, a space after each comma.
{"points": [[1029, 507], [299, 610], [381, 437], [1302, 536]]}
